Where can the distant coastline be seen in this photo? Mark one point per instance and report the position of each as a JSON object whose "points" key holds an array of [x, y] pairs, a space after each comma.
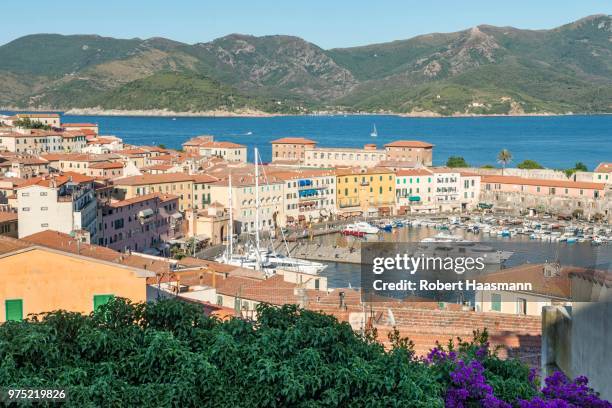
{"points": [[252, 113]]}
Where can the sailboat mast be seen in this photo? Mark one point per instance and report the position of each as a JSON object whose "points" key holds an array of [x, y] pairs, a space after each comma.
{"points": [[230, 229], [257, 209]]}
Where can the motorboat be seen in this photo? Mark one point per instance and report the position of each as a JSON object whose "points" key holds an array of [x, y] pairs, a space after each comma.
{"points": [[366, 228]]}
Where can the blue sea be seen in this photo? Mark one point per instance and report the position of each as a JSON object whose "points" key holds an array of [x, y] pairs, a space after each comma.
{"points": [[553, 141]]}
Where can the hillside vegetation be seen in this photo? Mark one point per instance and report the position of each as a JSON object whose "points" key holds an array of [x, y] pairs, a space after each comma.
{"points": [[481, 70]]}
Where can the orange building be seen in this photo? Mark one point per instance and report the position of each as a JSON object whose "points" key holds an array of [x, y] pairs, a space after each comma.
{"points": [[291, 149], [50, 271], [413, 151]]}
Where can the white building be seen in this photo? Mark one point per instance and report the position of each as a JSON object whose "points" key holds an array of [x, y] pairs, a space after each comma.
{"points": [[63, 203]]}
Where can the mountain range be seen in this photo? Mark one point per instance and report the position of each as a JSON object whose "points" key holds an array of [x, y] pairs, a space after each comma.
{"points": [[481, 70]]}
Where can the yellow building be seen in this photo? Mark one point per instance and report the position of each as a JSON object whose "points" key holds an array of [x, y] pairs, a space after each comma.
{"points": [[36, 278], [370, 190]]}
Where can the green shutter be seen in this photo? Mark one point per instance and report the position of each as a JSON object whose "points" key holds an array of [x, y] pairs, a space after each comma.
{"points": [[100, 300], [14, 309], [496, 302]]}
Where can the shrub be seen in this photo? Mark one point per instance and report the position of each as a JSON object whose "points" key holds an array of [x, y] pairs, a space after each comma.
{"points": [[169, 353]]}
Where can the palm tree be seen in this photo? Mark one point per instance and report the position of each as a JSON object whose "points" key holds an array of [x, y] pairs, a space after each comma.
{"points": [[504, 157]]}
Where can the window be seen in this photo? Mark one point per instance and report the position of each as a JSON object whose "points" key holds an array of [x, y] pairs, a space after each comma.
{"points": [[14, 309], [521, 306], [44, 208], [99, 300], [496, 302]]}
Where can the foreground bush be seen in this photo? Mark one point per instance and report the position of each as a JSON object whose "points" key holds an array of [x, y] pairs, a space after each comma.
{"points": [[170, 354]]}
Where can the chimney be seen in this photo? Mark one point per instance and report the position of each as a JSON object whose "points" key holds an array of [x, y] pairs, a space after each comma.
{"points": [[552, 270]]}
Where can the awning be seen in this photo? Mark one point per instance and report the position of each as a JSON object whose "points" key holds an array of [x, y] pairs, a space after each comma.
{"points": [[146, 213], [177, 216], [414, 198]]}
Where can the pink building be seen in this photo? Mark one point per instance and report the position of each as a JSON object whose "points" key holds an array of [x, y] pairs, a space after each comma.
{"points": [[141, 224]]}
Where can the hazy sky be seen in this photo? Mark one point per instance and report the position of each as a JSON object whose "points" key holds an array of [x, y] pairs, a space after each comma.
{"points": [[327, 23]]}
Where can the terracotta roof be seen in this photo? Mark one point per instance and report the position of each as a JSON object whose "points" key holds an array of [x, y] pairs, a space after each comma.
{"points": [[8, 244], [601, 277], [66, 243], [153, 179], [556, 286], [222, 145], [413, 172], [78, 124], [293, 140], [542, 182], [8, 216], [604, 168], [409, 143], [203, 178], [69, 134], [107, 165], [63, 178], [162, 198], [348, 171], [161, 167], [36, 115], [301, 173]]}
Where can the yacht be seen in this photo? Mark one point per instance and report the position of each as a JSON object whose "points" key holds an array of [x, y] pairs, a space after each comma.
{"points": [[453, 245], [263, 259], [366, 228]]}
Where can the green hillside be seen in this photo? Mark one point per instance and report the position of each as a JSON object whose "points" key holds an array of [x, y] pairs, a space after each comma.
{"points": [[481, 70]]}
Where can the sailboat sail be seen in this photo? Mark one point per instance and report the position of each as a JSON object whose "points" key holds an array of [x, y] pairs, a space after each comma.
{"points": [[374, 132]]}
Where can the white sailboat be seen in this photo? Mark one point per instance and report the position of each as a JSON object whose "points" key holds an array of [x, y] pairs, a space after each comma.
{"points": [[263, 259], [374, 132]]}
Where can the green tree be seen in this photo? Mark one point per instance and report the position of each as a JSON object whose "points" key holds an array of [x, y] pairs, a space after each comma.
{"points": [[504, 157], [162, 146], [27, 123], [456, 161], [580, 166], [529, 165], [487, 166]]}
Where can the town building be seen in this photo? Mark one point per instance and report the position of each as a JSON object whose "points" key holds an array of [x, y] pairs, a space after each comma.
{"points": [[210, 223], [414, 191], [107, 170], [309, 195], [142, 223], [271, 201], [8, 222], [52, 271], [49, 119], [291, 149], [330, 157], [411, 151], [103, 145], [193, 145], [178, 184], [87, 127], [63, 203], [231, 152], [23, 166], [550, 285], [537, 196], [369, 191]]}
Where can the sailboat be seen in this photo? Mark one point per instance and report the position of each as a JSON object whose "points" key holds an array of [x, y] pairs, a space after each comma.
{"points": [[374, 132], [261, 259]]}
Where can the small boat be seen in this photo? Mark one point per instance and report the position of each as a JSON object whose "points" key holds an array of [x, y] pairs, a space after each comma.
{"points": [[366, 228], [249, 133], [173, 118], [374, 132], [352, 230]]}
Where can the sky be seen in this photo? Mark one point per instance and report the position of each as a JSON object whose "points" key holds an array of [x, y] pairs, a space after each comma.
{"points": [[327, 23]]}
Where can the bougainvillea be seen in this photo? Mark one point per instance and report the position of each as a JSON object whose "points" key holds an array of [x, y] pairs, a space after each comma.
{"points": [[170, 354]]}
